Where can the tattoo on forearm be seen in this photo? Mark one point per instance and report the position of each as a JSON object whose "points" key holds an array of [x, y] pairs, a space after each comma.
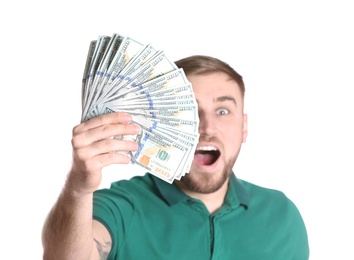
{"points": [[103, 249]]}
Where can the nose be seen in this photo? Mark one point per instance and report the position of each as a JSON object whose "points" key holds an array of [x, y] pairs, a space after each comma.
{"points": [[207, 124]]}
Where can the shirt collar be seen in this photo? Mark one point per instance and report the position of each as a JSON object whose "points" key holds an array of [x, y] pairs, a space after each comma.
{"points": [[172, 194], [237, 193]]}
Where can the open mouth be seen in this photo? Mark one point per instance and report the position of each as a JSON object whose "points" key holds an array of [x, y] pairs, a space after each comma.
{"points": [[206, 155]]}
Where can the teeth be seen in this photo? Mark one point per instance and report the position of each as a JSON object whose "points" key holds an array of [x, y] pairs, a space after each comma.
{"points": [[207, 148]]}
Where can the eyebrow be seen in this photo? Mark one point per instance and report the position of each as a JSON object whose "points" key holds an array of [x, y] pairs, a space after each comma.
{"points": [[223, 99], [226, 98]]}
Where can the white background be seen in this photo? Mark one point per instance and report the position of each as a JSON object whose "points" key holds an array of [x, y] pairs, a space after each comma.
{"points": [[297, 60]]}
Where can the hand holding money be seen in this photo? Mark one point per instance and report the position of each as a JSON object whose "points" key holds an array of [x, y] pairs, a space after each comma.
{"points": [[124, 75], [93, 148]]}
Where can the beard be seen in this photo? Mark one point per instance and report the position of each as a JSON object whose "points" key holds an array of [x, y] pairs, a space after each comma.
{"points": [[204, 183]]}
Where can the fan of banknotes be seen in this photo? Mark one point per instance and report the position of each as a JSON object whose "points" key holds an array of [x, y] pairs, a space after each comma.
{"points": [[122, 74]]}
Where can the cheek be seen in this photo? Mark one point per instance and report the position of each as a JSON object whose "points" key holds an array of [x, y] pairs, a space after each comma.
{"points": [[231, 129], [233, 137], [232, 144]]}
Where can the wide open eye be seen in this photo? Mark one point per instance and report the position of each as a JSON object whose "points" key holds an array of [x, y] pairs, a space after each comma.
{"points": [[222, 111]]}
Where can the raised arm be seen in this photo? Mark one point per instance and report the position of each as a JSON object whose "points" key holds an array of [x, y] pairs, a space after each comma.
{"points": [[69, 231]]}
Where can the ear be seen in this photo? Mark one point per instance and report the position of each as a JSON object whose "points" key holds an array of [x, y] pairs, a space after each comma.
{"points": [[245, 128]]}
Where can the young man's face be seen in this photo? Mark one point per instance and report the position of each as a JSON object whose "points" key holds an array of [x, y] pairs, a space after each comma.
{"points": [[222, 128]]}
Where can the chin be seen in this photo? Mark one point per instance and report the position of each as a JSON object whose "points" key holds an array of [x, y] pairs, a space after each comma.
{"points": [[205, 182], [209, 178]]}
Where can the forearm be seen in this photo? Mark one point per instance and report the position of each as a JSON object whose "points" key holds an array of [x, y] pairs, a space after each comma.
{"points": [[67, 232]]}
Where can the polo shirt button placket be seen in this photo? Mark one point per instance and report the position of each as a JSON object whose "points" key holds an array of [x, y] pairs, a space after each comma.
{"points": [[195, 204], [190, 201]]}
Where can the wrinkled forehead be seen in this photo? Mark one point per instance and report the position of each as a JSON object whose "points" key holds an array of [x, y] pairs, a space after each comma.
{"points": [[213, 79], [232, 77], [216, 87]]}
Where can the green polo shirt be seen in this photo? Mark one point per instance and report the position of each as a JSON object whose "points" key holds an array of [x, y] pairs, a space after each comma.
{"points": [[151, 219]]}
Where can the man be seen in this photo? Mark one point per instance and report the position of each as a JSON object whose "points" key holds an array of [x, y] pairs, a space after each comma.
{"points": [[208, 214]]}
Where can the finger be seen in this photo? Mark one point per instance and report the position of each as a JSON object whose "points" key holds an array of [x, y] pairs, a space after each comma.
{"points": [[105, 146], [111, 118], [96, 164], [102, 133], [111, 158]]}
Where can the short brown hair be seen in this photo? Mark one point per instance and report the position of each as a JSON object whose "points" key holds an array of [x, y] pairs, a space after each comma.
{"points": [[201, 64]]}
